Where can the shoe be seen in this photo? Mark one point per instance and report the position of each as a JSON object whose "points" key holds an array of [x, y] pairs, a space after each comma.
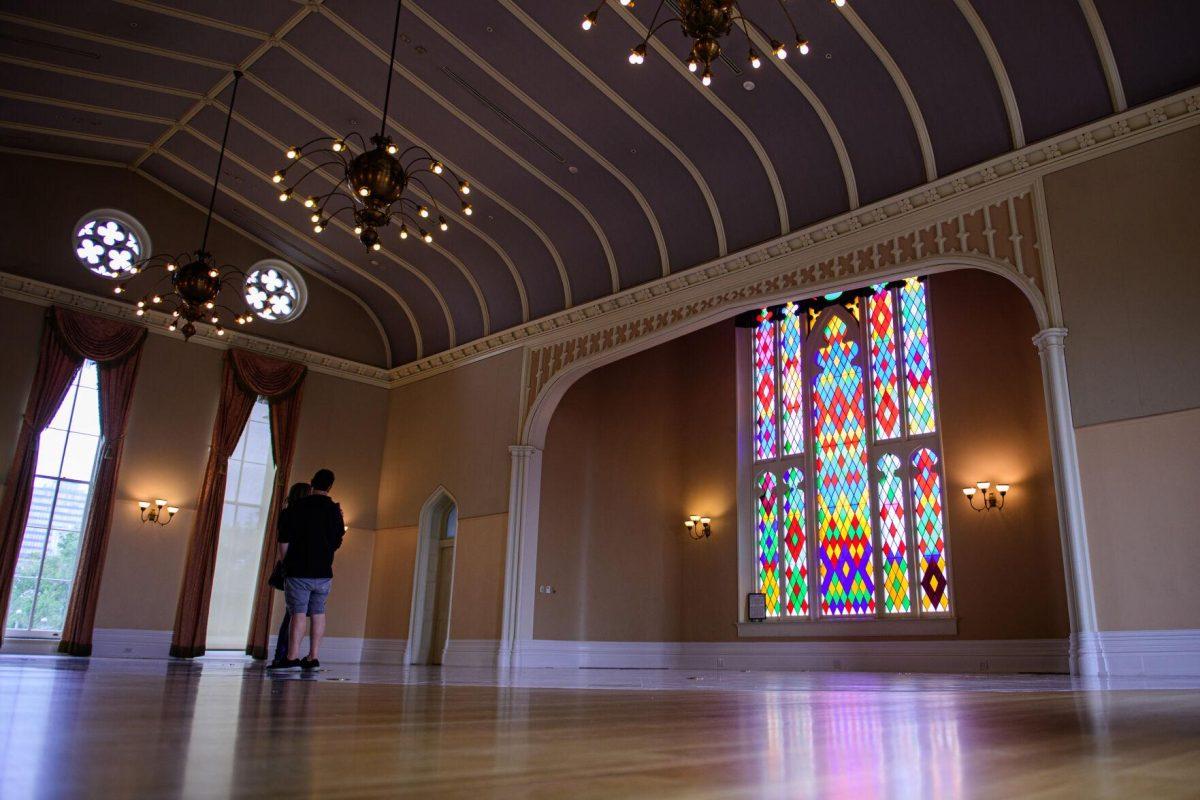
{"points": [[306, 663], [285, 663]]}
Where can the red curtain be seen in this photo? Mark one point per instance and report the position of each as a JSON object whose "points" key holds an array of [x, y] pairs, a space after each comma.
{"points": [[247, 376], [67, 339]]}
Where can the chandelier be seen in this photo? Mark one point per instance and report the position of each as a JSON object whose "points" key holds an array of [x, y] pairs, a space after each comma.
{"points": [[378, 184], [192, 282], [706, 22]]}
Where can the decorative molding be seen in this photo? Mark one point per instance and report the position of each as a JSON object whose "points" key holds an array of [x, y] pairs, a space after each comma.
{"points": [[1153, 652], [1011, 174], [471, 653], [384, 651], [1112, 76], [28, 290], [1007, 95], [953, 656]]}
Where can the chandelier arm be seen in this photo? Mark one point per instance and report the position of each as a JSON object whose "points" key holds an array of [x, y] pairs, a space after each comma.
{"points": [[387, 93], [300, 150], [746, 20], [788, 14], [654, 28], [406, 150], [362, 142], [421, 183], [325, 201], [212, 200], [300, 180], [330, 217]]}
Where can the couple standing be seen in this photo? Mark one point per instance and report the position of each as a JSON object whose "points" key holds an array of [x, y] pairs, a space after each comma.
{"points": [[310, 532]]}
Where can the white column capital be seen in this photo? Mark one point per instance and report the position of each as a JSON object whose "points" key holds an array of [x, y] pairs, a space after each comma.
{"points": [[1049, 337]]}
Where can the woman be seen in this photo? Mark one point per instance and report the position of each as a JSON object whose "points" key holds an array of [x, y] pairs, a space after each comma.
{"points": [[297, 491]]}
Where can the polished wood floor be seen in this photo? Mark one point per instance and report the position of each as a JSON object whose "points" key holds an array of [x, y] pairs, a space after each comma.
{"points": [[146, 729]]}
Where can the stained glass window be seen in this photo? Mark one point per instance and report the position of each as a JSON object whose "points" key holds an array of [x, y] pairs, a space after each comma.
{"points": [[847, 584], [795, 551], [791, 380], [764, 388], [892, 535], [874, 484], [918, 367], [927, 522], [885, 382], [768, 548]]}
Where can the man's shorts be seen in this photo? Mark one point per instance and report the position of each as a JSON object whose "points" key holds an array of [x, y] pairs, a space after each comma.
{"points": [[307, 595]]}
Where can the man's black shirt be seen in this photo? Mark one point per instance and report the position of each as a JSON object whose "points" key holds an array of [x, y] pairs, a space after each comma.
{"points": [[312, 528]]}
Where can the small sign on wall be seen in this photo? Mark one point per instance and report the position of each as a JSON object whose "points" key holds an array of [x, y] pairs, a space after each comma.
{"points": [[756, 606]]}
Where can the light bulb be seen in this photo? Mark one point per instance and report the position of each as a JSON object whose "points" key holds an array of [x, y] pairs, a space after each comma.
{"points": [[215, 320], [778, 50], [209, 305], [437, 168], [318, 228], [376, 246], [170, 267], [464, 187], [706, 78], [363, 191], [156, 299], [693, 65], [309, 202], [315, 218], [292, 152], [140, 312], [220, 331], [589, 20], [175, 313], [171, 326], [802, 46], [284, 195], [1002, 488], [425, 236], [392, 149], [466, 208], [626, 2], [118, 289], [403, 232], [357, 230], [212, 273], [423, 211], [983, 485], [969, 491], [443, 224], [141, 304], [755, 61], [277, 177], [839, 3], [337, 145]]}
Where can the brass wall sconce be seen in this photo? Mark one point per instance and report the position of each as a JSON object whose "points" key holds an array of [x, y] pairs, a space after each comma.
{"points": [[698, 527], [158, 512], [992, 498]]}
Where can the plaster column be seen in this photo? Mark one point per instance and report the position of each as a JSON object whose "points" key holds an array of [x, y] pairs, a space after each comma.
{"points": [[1087, 655], [520, 563]]}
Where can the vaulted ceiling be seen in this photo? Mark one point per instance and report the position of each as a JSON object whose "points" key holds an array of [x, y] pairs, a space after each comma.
{"points": [[592, 176]]}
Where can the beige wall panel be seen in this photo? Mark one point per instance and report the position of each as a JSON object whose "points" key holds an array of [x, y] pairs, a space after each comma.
{"points": [[639, 444], [1126, 245], [55, 194], [390, 594], [1139, 484], [477, 603], [452, 430], [347, 611]]}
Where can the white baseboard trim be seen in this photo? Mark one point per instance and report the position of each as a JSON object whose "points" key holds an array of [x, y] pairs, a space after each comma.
{"points": [[130, 643], [471, 653], [18, 646], [957, 656], [384, 651], [1134, 653], [334, 649]]}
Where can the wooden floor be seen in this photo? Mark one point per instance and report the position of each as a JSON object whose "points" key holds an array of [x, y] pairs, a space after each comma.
{"points": [[148, 729]]}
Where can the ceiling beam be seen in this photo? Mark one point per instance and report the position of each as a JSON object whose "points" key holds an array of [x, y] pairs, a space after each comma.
{"points": [[85, 107], [1016, 129], [129, 83], [906, 92], [620, 102], [100, 162], [1116, 90], [84, 136], [199, 19]]}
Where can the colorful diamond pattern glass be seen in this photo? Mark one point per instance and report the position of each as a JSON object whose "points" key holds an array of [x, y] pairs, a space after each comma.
{"points": [[795, 555], [766, 526], [918, 366], [927, 525], [893, 544], [885, 380], [765, 435], [791, 381], [843, 511]]}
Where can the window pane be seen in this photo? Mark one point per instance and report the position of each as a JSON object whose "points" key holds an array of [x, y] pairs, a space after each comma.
{"points": [[918, 368], [20, 605], [62, 417], [50, 451], [893, 540], [39, 506], [795, 566], [764, 388], [70, 511], [50, 608], [80, 458], [843, 505], [62, 551], [247, 518], [791, 381], [250, 485], [86, 417], [767, 542], [87, 377], [885, 383], [258, 443], [29, 560], [927, 522]]}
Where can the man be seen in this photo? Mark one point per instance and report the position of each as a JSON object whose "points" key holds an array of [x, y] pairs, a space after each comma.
{"points": [[308, 538]]}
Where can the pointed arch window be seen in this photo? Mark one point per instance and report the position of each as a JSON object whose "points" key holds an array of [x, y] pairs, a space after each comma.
{"points": [[846, 458]]}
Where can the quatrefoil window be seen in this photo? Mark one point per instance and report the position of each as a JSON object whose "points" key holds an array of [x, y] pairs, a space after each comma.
{"points": [[274, 291], [110, 243]]}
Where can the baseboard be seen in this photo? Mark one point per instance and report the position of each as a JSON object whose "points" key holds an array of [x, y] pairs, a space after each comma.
{"points": [[955, 656], [334, 649], [130, 643], [16, 646], [471, 653], [1133, 653], [384, 651]]}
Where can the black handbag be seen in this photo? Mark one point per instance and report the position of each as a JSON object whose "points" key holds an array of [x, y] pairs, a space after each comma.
{"points": [[278, 576]]}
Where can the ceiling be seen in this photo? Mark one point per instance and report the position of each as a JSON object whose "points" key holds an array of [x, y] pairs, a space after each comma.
{"points": [[591, 176]]}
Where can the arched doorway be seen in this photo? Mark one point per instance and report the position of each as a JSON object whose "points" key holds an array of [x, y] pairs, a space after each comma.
{"points": [[433, 580]]}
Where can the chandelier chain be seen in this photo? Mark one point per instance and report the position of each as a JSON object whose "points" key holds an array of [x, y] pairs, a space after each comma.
{"points": [[387, 92], [212, 200]]}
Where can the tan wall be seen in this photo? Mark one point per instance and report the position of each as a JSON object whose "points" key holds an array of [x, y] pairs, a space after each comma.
{"points": [[637, 445], [55, 194], [166, 449], [390, 598]]}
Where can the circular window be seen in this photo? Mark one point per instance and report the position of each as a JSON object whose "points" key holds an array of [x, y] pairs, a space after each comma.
{"points": [[274, 291], [110, 243]]}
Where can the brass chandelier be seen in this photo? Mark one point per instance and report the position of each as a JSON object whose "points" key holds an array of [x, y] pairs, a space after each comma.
{"points": [[196, 279], [377, 185], [706, 22]]}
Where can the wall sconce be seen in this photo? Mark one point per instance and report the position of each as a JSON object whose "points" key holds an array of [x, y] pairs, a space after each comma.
{"points": [[698, 527], [159, 512], [992, 498]]}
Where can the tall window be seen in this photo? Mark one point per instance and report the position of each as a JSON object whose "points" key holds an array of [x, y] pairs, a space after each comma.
{"points": [[248, 486], [62, 488], [847, 466]]}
